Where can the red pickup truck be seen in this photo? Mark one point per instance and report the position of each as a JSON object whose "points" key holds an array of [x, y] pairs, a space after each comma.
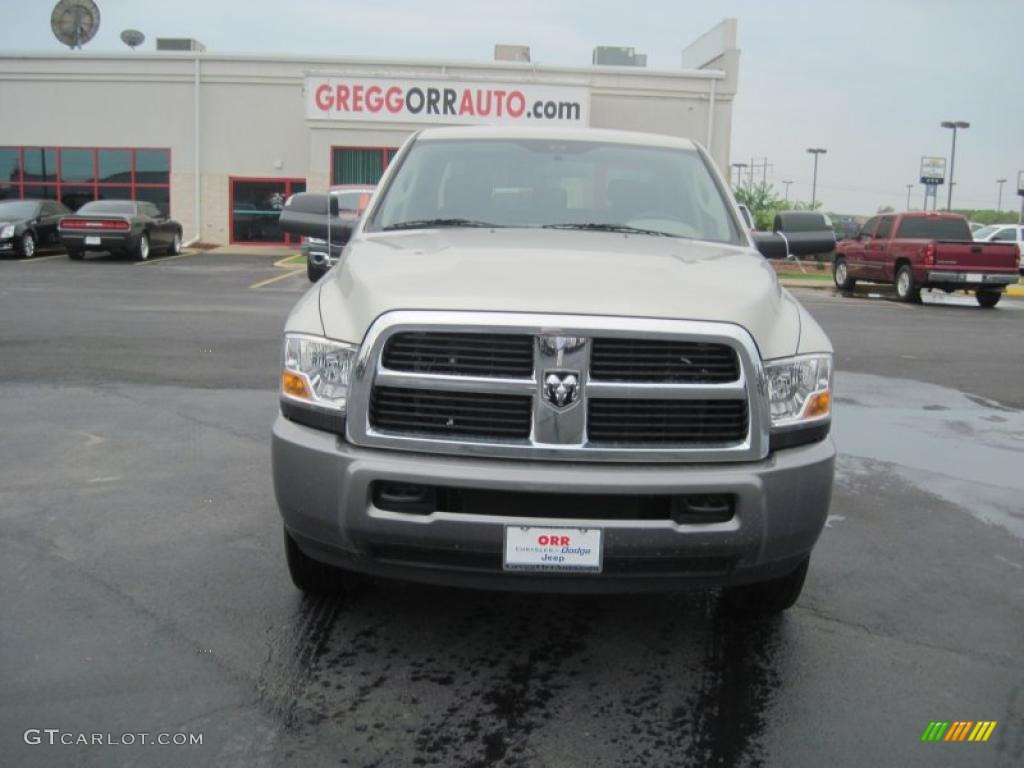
{"points": [[926, 250]]}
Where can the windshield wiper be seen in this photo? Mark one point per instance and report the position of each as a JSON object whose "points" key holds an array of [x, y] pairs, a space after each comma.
{"points": [[432, 223], [598, 227]]}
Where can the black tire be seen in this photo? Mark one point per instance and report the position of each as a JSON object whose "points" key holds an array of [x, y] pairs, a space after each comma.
{"points": [[987, 299], [840, 275], [312, 576], [75, 255], [175, 247], [27, 245], [906, 288], [767, 597], [141, 250], [313, 272]]}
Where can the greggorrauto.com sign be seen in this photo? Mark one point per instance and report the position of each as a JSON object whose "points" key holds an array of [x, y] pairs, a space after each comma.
{"points": [[442, 101]]}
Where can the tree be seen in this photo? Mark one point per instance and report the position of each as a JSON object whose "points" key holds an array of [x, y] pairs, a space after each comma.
{"points": [[886, 209], [764, 202]]}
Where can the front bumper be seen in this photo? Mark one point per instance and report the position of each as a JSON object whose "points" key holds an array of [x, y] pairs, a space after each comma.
{"points": [[323, 489], [318, 255], [964, 279]]}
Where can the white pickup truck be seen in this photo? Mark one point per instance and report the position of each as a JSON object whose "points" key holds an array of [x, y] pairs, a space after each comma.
{"points": [[555, 361]]}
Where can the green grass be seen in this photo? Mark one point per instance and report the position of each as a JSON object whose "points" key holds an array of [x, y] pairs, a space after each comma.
{"points": [[808, 276]]}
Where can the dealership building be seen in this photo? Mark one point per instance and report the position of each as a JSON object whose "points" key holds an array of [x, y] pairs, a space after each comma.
{"points": [[220, 141]]}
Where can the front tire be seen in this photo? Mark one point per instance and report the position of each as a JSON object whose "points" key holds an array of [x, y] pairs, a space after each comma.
{"points": [[767, 597], [141, 252], [27, 245], [841, 275], [312, 576], [906, 289], [987, 299]]}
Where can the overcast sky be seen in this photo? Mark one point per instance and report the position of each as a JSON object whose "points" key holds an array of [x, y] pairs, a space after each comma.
{"points": [[870, 81]]}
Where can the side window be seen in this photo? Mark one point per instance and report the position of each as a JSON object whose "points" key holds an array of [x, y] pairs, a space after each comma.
{"points": [[868, 230], [884, 228], [1007, 235]]}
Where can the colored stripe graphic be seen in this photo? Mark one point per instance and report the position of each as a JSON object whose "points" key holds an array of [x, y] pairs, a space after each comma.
{"points": [[959, 730]]}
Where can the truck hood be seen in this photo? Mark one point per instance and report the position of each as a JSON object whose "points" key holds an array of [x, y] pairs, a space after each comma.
{"points": [[555, 271]]}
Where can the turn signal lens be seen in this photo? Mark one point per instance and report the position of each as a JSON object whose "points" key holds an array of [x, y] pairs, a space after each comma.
{"points": [[820, 404], [296, 385]]}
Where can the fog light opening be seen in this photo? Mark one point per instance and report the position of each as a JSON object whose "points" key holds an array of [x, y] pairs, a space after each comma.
{"points": [[703, 508]]}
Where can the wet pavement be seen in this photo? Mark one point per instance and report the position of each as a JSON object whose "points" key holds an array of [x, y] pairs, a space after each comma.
{"points": [[144, 587]]}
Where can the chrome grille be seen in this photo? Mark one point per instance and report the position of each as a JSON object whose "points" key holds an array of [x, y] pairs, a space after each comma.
{"points": [[656, 360], [591, 389], [451, 413], [460, 354], [679, 422]]}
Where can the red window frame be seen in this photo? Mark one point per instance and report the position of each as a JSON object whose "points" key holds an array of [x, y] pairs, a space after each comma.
{"points": [[58, 184], [288, 181], [384, 159]]}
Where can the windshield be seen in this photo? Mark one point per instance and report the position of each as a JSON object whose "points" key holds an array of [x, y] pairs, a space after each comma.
{"points": [[921, 228], [18, 210], [109, 206], [545, 183], [981, 234]]}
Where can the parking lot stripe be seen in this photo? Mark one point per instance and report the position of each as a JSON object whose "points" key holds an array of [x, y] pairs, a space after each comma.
{"points": [[274, 279], [34, 259], [162, 259]]}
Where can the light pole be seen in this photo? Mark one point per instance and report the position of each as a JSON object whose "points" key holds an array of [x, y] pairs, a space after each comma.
{"points": [[954, 125], [999, 205], [814, 185], [787, 183], [909, 187], [739, 174]]}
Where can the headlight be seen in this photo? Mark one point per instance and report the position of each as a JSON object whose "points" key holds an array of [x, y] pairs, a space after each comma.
{"points": [[316, 240], [316, 371], [800, 390], [7, 231]]}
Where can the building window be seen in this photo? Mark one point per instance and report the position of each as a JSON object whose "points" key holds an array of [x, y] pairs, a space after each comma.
{"points": [[359, 165], [77, 175], [255, 207]]}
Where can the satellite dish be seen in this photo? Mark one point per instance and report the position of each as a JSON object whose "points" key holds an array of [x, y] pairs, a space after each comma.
{"points": [[75, 22], [132, 38]]}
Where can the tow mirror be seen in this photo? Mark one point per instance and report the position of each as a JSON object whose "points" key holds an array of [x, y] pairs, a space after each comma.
{"points": [[315, 214], [797, 233]]}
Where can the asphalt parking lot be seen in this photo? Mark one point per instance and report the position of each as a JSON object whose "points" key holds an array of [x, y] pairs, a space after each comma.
{"points": [[145, 588]]}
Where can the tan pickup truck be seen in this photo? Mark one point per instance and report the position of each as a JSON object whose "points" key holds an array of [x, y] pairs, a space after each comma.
{"points": [[552, 361]]}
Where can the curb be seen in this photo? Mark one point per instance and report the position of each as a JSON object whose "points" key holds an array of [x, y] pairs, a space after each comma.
{"points": [[1015, 290]]}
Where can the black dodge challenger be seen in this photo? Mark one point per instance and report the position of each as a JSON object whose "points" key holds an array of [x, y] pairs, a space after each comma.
{"points": [[132, 227]]}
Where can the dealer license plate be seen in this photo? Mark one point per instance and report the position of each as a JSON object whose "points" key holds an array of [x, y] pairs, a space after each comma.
{"points": [[529, 548], [92, 240]]}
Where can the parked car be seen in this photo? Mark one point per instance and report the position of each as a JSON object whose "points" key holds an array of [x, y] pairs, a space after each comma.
{"points": [[132, 227], [1002, 233], [520, 381], [26, 225], [926, 250], [352, 201]]}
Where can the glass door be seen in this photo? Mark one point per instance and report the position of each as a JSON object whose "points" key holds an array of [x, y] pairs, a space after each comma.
{"points": [[255, 207]]}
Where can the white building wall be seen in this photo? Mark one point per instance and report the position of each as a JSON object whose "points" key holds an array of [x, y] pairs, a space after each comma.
{"points": [[252, 112]]}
